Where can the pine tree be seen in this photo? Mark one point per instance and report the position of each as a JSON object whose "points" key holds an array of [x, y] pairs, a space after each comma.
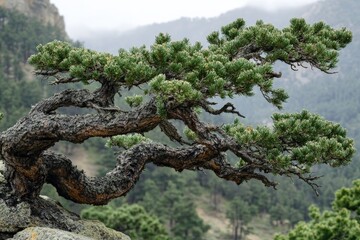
{"points": [[130, 219], [342, 222], [176, 79]]}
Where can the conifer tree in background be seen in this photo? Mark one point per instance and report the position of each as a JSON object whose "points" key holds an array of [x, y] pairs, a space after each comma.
{"points": [[19, 36], [130, 219], [240, 214], [343, 222], [176, 79]]}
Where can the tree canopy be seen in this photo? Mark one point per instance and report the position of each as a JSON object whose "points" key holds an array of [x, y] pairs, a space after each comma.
{"points": [[176, 79], [340, 223], [130, 219]]}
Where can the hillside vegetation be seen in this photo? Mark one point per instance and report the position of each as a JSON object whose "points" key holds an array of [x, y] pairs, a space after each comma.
{"points": [[19, 36]]}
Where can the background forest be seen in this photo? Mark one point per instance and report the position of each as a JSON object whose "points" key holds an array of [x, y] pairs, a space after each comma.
{"points": [[197, 205]]}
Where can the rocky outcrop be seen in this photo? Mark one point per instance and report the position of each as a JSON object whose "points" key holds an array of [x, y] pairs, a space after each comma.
{"points": [[21, 218], [45, 219], [42, 10], [44, 233], [39, 233]]}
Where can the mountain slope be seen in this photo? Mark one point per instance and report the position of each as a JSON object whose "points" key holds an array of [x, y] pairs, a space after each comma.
{"points": [[19, 36], [195, 29]]}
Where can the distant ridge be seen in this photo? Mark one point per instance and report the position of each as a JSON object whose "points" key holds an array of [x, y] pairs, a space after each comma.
{"points": [[196, 29]]}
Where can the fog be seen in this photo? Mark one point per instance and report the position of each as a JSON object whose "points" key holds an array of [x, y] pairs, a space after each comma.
{"points": [[85, 16]]}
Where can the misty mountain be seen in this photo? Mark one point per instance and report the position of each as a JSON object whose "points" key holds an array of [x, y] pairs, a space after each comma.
{"points": [[195, 29], [341, 14], [336, 96]]}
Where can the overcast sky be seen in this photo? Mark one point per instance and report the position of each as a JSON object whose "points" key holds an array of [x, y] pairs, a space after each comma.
{"points": [[82, 16]]}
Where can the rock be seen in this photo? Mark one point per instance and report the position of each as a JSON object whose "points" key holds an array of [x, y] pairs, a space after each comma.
{"points": [[51, 221], [2, 170], [13, 219], [42, 10], [43, 233], [97, 230]]}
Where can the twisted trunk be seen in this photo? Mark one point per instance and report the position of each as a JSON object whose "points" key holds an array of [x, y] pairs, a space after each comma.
{"points": [[23, 146]]}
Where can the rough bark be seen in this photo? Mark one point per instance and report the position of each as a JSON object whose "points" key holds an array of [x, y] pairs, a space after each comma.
{"points": [[29, 163]]}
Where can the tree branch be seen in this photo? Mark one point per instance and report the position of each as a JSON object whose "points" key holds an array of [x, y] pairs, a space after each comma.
{"points": [[39, 131], [60, 77], [74, 185], [224, 170], [77, 98], [227, 108]]}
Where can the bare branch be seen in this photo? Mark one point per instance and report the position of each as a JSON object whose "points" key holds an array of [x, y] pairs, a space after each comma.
{"points": [[227, 108], [310, 180], [274, 75], [224, 170]]}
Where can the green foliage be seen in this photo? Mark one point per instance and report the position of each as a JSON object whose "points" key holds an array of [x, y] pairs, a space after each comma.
{"points": [[303, 137], [240, 213], [319, 41], [188, 225], [191, 135], [134, 101], [349, 198], [18, 37], [178, 90], [126, 141], [185, 72], [176, 209], [340, 223], [133, 220]]}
